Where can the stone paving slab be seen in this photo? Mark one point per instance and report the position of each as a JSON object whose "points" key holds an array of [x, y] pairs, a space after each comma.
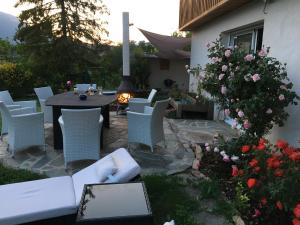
{"points": [[175, 158]]}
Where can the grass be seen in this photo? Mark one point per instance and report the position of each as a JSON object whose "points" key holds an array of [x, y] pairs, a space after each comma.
{"points": [[9, 175], [169, 200]]}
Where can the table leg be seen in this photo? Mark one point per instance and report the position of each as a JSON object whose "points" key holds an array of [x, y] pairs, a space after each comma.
{"points": [[105, 114], [57, 134]]}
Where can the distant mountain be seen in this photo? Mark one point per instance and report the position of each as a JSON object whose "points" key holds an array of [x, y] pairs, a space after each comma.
{"points": [[8, 25]]}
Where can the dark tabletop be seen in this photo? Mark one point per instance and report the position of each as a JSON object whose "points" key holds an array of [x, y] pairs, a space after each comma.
{"points": [[114, 200], [70, 99]]}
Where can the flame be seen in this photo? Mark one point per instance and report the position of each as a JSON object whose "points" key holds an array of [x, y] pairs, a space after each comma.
{"points": [[123, 98]]}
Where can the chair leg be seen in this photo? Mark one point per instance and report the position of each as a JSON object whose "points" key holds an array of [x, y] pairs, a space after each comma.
{"points": [[165, 143], [152, 150]]}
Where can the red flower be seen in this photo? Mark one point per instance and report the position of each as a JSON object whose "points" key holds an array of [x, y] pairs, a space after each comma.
{"points": [[251, 182], [241, 172], [282, 144], [261, 147], [235, 171], [295, 156], [297, 211], [256, 169], [278, 173], [289, 150], [273, 162], [264, 200], [279, 205], [296, 221], [253, 162], [257, 213], [262, 141], [245, 148]]}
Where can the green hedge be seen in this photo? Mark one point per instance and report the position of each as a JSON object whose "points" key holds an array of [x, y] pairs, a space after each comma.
{"points": [[15, 79]]}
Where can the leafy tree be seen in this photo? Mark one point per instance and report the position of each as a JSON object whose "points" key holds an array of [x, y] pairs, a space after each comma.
{"points": [[60, 37], [7, 50]]}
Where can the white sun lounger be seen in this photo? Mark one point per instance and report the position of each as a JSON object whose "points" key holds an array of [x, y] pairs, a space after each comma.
{"points": [[59, 196]]}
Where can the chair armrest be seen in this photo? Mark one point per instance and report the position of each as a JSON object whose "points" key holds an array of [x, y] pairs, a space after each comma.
{"points": [[31, 103], [138, 100], [20, 111], [10, 107], [148, 110], [29, 116]]}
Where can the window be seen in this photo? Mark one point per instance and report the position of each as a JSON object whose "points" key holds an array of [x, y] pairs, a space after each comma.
{"points": [[248, 39]]}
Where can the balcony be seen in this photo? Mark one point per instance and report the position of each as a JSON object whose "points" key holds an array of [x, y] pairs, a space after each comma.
{"points": [[194, 13]]}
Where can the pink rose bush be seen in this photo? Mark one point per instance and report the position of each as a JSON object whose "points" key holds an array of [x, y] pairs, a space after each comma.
{"points": [[251, 87]]}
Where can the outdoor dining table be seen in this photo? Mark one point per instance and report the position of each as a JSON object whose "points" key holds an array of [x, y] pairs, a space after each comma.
{"points": [[69, 100]]}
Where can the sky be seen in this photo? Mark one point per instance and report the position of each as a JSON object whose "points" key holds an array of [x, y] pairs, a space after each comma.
{"points": [[158, 16]]}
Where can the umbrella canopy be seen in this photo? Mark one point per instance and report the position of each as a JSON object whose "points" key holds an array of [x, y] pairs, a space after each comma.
{"points": [[169, 47]]}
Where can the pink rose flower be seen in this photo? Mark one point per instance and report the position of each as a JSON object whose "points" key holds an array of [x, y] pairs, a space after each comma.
{"points": [[226, 158], [249, 58], [269, 111], [186, 67], [256, 77], [207, 148], [221, 76], [241, 113], [246, 124], [227, 112], [223, 90], [227, 53], [69, 83], [216, 149], [237, 68], [262, 53], [281, 97], [224, 68]]}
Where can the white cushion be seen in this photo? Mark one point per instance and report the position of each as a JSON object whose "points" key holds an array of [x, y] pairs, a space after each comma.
{"points": [[36, 200], [105, 169], [127, 169], [111, 179]]}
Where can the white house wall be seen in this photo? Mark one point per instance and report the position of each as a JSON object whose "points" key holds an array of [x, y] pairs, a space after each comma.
{"points": [[281, 33], [176, 72]]}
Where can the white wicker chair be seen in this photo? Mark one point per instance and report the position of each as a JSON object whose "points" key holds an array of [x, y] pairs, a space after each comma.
{"points": [[138, 104], [147, 127], [43, 93], [25, 129], [85, 87], [6, 98], [81, 129]]}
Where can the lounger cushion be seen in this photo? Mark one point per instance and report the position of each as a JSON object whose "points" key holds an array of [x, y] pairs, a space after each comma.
{"points": [[36, 200], [105, 169], [127, 169]]}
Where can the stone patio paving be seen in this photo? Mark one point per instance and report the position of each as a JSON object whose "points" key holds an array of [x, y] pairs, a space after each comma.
{"points": [[176, 158]]}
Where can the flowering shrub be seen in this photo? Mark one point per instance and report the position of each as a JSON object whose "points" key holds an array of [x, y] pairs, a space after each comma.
{"points": [[251, 88], [270, 176]]}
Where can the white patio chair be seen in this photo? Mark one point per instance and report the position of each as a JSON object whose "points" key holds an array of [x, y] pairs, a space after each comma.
{"points": [[81, 129], [147, 127], [25, 129], [138, 104], [11, 104], [43, 93], [85, 87]]}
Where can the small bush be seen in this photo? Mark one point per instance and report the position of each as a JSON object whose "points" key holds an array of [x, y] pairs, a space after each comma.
{"points": [[15, 79]]}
